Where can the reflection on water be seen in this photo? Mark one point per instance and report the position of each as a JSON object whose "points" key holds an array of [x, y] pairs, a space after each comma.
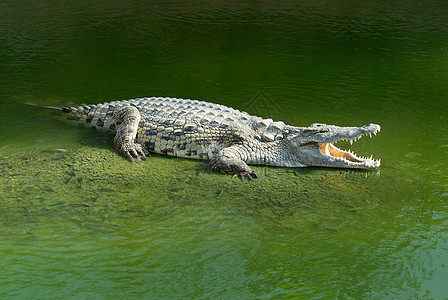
{"points": [[76, 219]]}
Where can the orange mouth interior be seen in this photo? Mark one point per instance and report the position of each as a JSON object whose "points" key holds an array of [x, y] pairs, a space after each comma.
{"points": [[330, 150]]}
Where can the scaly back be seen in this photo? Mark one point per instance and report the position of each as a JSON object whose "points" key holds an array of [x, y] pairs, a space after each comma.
{"points": [[169, 110]]}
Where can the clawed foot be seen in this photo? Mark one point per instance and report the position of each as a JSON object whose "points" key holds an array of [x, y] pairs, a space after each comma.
{"points": [[134, 152], [250, 175], [230, 164]]}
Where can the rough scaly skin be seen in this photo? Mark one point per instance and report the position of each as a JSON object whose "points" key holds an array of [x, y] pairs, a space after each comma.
{"points": [[229, 138]]}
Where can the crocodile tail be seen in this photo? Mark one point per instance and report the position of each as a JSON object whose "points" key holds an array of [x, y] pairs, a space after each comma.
{"points": [[96, 116], [51, 107], [43, 106], [77, 113]]}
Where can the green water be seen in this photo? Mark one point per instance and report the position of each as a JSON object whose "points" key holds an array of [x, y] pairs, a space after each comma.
{"points": [[79, 221]]}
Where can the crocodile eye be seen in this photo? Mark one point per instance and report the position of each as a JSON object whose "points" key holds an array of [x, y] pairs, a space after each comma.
{"points": [[317, 125]]}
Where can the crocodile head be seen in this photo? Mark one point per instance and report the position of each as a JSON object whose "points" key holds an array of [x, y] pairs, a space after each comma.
{"points": [[314, 146]]}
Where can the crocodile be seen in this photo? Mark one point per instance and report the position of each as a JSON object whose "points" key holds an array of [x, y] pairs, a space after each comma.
{"points": [[230, 139]]}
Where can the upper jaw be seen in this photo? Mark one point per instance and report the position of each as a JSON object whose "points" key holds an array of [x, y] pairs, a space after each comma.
{"points": [[335, 133]]}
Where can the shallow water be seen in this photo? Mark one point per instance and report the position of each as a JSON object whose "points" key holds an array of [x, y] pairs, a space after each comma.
{"points": [[79, 221]]}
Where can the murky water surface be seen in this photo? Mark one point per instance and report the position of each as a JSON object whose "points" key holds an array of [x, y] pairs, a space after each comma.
{"points": [[79, 221]]}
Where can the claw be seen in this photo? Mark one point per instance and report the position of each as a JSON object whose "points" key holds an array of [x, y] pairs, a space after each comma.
{"points": [[128, 155], [142, 155], [134, 154]]}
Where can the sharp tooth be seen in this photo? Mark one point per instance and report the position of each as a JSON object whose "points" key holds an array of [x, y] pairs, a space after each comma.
{"points": [[327, 151], [371, 157], [370, 134], [351, 141]]}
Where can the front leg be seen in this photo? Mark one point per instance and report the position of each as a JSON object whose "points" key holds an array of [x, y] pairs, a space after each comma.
{"points": [[229, 160], [126, 120]]}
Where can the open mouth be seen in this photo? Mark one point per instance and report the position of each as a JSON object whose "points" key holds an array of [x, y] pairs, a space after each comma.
{"points": [[347, 156]]}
